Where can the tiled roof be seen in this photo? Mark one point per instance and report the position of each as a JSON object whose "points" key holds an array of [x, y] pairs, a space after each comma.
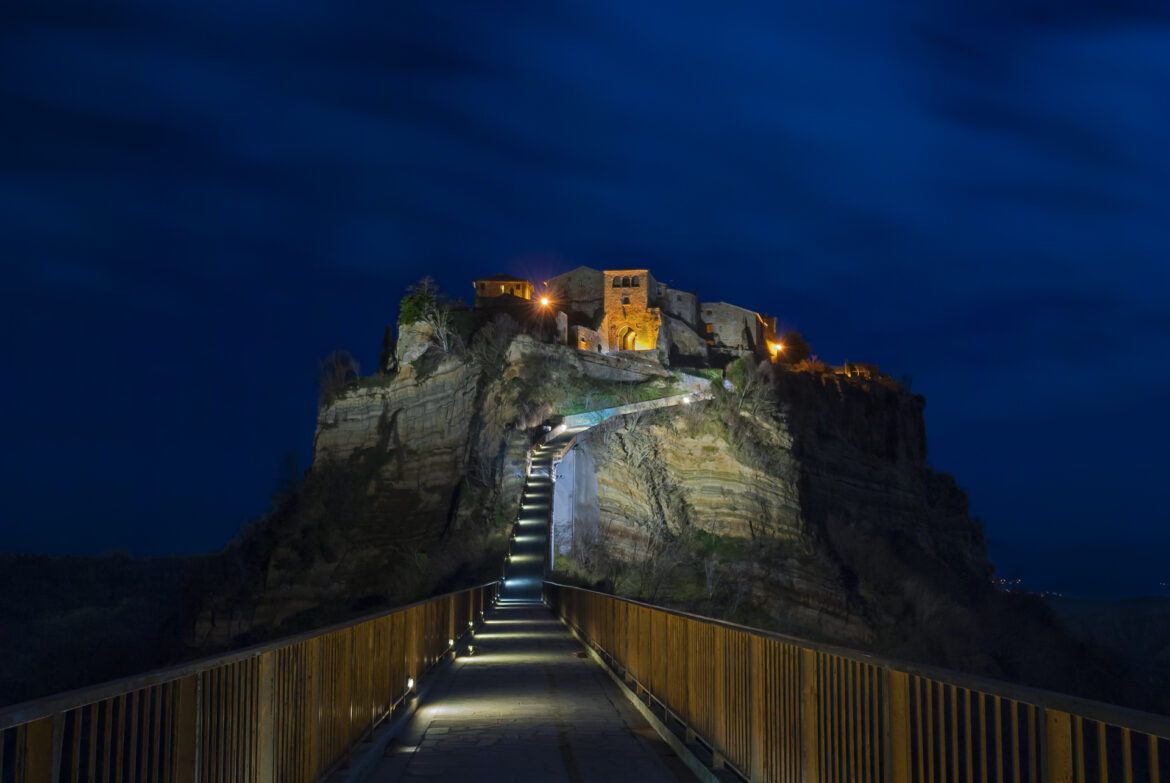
{"points": [[502, 279]]}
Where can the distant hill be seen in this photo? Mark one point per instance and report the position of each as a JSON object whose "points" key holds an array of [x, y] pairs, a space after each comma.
{"points": [[1136, 629]]}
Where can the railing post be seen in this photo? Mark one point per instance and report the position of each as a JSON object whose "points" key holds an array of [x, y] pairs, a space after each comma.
{"points": [[809, 702], [266, 714], [1058, 751], [35, 759], [897, 734], [186, 717], [757, 720]]}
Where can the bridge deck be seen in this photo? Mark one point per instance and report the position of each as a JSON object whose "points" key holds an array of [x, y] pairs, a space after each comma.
{"points": [[528, 704], [525, 706]]}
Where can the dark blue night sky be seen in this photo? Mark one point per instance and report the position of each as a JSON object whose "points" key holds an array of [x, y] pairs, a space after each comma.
{"points": [[198, 201]]}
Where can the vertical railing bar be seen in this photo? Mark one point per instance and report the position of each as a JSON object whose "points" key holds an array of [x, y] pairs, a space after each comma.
{"points": [[864, 698], [942, 732], [983, 778], [968, 735], [954, 733], [855, 705], [158, 735], [121, 737], [147, 714], [1155, 772], [918, 720], [132, 755], [108, 741], [1102, 755], [929, 699], [1015, 722], [1033, 743], [75, 756], [1126, 756], [220, 716], [198, 726], [91, 773], [997, 703], [879, 692], [832, 741], [1079, 747], [168, 735]]}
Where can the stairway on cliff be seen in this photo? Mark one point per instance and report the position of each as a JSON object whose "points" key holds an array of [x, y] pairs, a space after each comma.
{"points": [[524, 569]]}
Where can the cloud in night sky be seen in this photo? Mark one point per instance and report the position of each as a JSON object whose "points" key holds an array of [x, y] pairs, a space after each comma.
{"points": [[198, 201]]}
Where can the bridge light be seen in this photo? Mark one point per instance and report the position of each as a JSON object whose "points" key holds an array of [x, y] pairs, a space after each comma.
{"points": [[450, 642], [410, 683]]}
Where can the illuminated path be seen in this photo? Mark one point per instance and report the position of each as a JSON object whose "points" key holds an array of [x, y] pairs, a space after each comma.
{"points": [[524, 706]]}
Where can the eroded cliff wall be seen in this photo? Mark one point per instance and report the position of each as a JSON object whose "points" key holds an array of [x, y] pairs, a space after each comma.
{"points": [[802, 502]]}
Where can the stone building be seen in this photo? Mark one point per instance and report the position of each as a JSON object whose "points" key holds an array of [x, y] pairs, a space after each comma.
{"points": [[631, 321], [584, 339], [579, 293], [501, 285], [731, 329], [628, 310], [682, 305]]}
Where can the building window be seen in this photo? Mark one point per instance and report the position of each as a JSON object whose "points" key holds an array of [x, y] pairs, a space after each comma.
{"points": [[625, 282], [625, 300], [710, 328], [636, 283], [617, 281]]}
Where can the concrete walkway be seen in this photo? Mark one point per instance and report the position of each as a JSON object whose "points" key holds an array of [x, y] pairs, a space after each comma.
{"points": [[528, 703]]}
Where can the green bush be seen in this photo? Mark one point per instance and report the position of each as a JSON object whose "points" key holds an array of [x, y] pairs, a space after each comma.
{"points": [[414, 307]]}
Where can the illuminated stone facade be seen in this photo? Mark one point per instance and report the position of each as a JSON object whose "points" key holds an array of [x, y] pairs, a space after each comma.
{"points": [[631, 322], [584, 339], [502, 285]]}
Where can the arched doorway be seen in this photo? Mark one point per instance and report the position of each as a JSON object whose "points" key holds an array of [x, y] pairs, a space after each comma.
{"points": [[627, 339]]}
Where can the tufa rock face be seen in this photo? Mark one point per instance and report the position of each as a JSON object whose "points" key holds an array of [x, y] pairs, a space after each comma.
{"points": [[414, 340], [803, 505], [415, 479]]}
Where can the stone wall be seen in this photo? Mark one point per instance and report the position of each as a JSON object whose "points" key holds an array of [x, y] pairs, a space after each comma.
{"points": [[578, 292], [681, 304], [734, 329], [584, 339]]}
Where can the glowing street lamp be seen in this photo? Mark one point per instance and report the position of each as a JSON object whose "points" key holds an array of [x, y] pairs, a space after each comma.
{"points": [[544, 301]]}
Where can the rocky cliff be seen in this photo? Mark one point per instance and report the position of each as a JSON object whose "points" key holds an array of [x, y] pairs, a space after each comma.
{"points": [[798, 501], [802, 502], [415, 481]]}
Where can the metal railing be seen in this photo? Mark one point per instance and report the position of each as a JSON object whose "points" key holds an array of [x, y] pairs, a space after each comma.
{"points": [[774, 708], [288, 710]]}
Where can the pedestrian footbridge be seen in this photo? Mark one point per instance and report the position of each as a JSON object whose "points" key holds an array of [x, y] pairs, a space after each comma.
{"points": [[525, 679]]}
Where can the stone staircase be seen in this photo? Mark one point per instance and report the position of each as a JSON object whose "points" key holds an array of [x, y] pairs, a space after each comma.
{"points": [[524, 569]]}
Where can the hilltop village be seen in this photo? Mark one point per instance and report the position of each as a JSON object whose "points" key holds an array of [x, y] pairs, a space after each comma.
{"points": [[618, 310]]}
